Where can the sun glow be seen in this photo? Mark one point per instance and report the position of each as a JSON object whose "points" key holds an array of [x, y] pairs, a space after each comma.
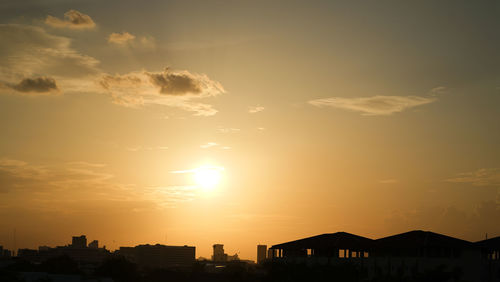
{"points": [[207, 177]]}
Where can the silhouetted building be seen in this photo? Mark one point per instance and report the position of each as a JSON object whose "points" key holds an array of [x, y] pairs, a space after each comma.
{"points": [[94, 244], [219, 255], [79, 242], [261, 253], [408, 254], [490, 248], [423, 251], [4, 253], [77, 251], [160, 256], [421, 244], [234, 257], [334, 245]]}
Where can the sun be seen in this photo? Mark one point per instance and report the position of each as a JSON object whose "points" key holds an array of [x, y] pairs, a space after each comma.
{"points": [[207, 177]]}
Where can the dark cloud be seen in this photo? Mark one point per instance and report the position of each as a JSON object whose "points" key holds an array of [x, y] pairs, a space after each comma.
{"points": [[38, 85], [72, 19], [176, 83]]}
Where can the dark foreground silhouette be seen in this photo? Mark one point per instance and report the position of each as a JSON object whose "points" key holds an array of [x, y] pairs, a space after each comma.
{"points": [[121, 270]]}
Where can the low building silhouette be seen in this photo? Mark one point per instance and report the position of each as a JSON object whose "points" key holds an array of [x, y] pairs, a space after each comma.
{"points": [[401, 255], [4, 253], [159, 256], [77, 250]]}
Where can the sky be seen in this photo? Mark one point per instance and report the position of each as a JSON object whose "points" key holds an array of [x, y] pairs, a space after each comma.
{"points": [[247, 122]]}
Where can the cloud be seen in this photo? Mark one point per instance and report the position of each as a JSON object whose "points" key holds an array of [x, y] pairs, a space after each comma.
{"points": [[374, 106], [438, 91], [480, 177], [228, 130], [126, 39], [37, 85], [209, 145], [181, 83], [17, 174], [32, 60], [255, 109], [142, 148], [60, 186], [120, 38], [169, 88], [72, 19], [21, 169], [171, 196]]}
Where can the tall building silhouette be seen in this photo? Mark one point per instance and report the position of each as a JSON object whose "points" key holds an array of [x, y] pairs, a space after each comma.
{"points": [[219, 254], [261, 253]]}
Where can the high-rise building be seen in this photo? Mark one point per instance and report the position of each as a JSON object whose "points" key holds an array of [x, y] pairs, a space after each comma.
{"points": [[79, 242], [261, 253], [219, 254]]}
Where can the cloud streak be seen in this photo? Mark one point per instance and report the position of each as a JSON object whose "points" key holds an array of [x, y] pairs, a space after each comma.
{"points": [[72, 19], [480, 177], [255, 109], [120, 38], [375, 105]]}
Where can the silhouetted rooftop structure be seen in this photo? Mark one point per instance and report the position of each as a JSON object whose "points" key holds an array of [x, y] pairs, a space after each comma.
{"points": [[341, 244], [490, 248], [493, 243], [160, 255], [420, 243]]}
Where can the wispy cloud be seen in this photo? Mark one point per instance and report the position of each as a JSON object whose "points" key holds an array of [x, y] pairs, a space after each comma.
{"points": [[228, 130], [255, 109], [127, 39], [56, 187], [438, 90], [143, 148], [171, 196], [480, 177], [120, 38], [72, 19], [375, 105], [209, 145], [29, 51]]}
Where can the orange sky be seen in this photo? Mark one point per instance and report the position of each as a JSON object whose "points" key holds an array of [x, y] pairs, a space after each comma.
{"points": [[317, 116]]}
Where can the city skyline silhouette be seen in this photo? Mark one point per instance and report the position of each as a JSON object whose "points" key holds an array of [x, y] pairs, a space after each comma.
{"points": [[245, 123]]}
